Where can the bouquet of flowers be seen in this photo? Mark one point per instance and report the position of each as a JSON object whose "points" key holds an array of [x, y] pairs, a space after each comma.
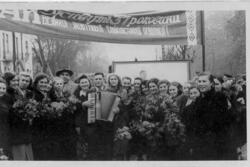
{"points": [[174, 130], [58, 108], [150, 139], [121, 139], [45, 109], [138, 103], [26, 109], [3, 157], [50, 109], [149, 129], [71, 104], [122, 134]]}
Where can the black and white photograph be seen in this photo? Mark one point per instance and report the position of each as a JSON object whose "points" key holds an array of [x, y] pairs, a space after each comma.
{"points": [[123, 81]]}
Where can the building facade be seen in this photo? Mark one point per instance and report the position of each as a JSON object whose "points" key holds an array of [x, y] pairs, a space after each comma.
{"points": [[16, 53]]}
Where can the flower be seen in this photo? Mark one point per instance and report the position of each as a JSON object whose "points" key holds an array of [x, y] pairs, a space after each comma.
{"points": [[73, 99], [174, 130], [26, 109], [122, 134], [51, 110]]}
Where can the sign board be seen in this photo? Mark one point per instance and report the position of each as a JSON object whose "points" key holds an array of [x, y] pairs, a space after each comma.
{"points": [[154, 28], [170, 70]]}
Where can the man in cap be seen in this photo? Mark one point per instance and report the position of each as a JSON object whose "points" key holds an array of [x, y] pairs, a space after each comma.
{"points": [[69, 85]]}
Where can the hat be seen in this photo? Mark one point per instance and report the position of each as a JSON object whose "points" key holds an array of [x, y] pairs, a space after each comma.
{"points": [[64, 70], [77, 80]]}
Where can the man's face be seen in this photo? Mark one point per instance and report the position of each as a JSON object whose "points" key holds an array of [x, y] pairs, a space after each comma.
{"points": [[24, 82], [98, 81], [65, 76], [204, 84]]}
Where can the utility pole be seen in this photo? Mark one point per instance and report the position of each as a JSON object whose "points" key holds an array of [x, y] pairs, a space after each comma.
{"points": [[14, 51], [203, 42]]}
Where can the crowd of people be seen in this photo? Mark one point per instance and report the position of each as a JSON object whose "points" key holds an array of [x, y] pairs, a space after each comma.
{"points": [[47, 119]]}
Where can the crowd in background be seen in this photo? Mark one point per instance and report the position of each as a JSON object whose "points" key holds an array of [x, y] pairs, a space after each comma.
{"points": [[204, 119]]}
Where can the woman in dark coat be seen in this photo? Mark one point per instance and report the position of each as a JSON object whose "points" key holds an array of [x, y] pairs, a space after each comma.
{"points": [[238, 130], [50, 134], [87, 137], [62, 128], [212, 122], [5, 106], [187, 115], [41, 146], [21, 130]]}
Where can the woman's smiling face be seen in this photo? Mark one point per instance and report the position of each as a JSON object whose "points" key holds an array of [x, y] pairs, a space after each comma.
{"points": [[173, 91], [153, 88], [84, 84]]}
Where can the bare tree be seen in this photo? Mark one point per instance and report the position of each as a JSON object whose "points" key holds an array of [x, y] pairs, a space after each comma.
{"points": [[79, 56]]}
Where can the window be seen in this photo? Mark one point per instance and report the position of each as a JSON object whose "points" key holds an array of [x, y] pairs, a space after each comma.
{"points": [[26, 49], [17, 47], [7, 43], [4, 52], [27, 46]]}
